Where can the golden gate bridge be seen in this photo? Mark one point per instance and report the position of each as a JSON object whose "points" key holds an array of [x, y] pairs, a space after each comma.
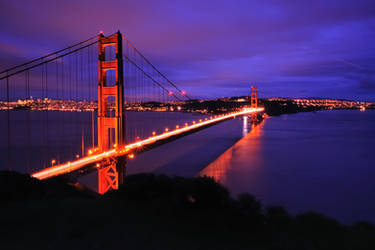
{"points": [[105, 78]]}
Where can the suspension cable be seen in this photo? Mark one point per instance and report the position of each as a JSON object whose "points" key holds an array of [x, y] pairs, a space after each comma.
{"points": [[43, 57], [152, 79], [171, 83], [50, 60]]}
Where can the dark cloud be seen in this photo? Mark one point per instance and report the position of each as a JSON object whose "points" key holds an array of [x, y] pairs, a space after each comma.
{"points": [[367, 84], [287, 48]]}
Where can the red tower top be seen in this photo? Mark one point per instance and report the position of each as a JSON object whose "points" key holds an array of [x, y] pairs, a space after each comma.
{"points": [[254, 97]]}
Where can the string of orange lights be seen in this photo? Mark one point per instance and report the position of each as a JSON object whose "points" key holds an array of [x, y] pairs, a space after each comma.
{"points": [[128, 149]]}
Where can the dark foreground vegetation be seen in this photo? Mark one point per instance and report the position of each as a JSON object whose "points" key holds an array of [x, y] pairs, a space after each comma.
{"points": [[158, 212]]}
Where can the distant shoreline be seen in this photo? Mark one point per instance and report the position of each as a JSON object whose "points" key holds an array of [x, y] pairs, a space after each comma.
{"points": [[277, 107]]}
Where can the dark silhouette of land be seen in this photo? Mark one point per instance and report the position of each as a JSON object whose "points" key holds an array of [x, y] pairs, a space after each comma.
{"points": [[274, 108], [159, 212]]}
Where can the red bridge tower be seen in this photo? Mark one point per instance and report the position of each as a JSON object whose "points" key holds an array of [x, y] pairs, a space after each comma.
{"points": [[254, 103], [254, 97], [110, 172]]}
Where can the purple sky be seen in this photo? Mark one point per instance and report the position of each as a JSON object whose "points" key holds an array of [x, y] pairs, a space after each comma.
{"points": [[216, 48]]}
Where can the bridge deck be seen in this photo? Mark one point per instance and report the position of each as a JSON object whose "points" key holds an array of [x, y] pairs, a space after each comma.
{"points": [[127, 149]]}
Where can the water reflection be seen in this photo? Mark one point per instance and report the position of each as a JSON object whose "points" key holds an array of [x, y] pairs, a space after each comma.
{"points": [[245, 128], [219, 168]]}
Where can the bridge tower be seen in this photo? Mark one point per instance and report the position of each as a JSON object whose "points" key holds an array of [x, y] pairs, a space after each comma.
{"points": [[110, 172], [254, 97], [254, 103]]}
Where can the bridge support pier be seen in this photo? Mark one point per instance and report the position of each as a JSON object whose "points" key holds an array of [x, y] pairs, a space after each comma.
{"points": [[111, 175]]}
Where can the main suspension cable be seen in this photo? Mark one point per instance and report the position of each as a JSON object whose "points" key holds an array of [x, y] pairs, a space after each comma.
{"points": [[43, 57], [161, 74]]}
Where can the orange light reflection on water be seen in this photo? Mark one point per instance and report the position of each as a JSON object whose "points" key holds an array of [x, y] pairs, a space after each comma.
{"points": [[219, 168]]}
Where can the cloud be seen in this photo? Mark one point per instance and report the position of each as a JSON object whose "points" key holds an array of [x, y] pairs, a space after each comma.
{"points": [[210, 47]]}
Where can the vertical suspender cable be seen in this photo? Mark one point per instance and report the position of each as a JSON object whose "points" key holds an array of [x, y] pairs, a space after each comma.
{"points": [[89, 60], [58, 124], [47, 116], [47, 81], [83, 142], [81, 72], [93, 128], [57, 80], [81, 97], [88, 73], [28, 126], [8, 126], [62, 78], [76, 74], [43, 121], [71, 102], [70, 78], [63, 138], [76, 99]]}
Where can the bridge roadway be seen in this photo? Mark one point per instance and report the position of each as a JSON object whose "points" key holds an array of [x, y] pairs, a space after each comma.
{"points": [[78, 164]]}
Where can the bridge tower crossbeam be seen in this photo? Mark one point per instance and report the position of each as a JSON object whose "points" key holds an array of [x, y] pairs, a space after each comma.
{"points": [[110, 172]]}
